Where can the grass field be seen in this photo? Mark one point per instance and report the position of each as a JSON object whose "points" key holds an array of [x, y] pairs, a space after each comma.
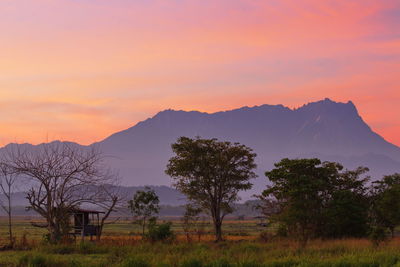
{"points": [[121, 246]]}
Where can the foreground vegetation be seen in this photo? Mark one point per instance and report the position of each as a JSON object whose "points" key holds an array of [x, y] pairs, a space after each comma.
{"points": [[313, 211], [121, 245], [114, 252]]}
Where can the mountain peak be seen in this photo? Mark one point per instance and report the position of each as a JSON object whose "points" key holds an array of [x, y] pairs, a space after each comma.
{"points": [[326, 129], [327, 106]]}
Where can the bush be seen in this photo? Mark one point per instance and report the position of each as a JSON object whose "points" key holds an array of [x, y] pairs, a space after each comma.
{"points": [[160, 232]]}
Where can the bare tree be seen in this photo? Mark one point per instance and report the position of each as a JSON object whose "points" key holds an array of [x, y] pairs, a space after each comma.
{"points": [[64, 177], [8, 181]]}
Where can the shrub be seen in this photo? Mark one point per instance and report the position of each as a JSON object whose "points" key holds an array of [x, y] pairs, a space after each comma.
{"points": [[160, 232]]}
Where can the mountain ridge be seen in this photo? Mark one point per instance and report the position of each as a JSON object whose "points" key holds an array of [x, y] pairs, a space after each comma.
{"points": [[330, 130]]}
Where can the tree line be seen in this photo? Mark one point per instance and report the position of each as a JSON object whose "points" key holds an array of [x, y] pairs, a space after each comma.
{"points": [[305, 198]]}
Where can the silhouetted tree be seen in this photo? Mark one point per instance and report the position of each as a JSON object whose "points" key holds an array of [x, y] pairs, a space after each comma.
{"points": [[386, 202], [347, 206], [310, 198], [211, 173]]}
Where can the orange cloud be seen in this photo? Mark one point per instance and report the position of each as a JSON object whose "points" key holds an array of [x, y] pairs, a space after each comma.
{"points": [[81, 70]]}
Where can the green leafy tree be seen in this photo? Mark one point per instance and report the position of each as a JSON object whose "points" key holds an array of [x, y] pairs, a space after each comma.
{"points": [[386, 202], [211, 173], [144, 205], [346, 210], [310, 195]]}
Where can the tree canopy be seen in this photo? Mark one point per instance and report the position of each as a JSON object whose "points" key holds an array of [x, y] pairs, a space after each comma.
{"points": [[144, 205], [318, 199], [211, 173], [386, 202]]}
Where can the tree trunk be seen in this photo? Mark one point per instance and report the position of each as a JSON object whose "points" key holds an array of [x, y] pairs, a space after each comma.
{"points": [[218, 229], [10, 223], [10, 230], [54, 233]]}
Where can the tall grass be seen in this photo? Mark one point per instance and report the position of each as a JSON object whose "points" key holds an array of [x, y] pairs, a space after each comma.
{"points": [[347, 252]]}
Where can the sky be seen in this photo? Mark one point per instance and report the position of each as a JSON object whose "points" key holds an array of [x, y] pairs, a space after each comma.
{"points": [[80, 70]]}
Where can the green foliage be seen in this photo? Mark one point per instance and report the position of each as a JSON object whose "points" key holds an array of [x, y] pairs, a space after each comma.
{"points": [[346, 216], [227, 254], [386, 202], [211, 173], [144, 205], [317, 199], [160, 232]]}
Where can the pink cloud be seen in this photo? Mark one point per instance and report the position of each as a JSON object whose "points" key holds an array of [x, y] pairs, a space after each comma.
{"points": [[137, 57]]}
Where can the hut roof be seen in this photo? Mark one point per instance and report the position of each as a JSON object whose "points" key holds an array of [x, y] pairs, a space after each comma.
{"points": [[79, 210]]}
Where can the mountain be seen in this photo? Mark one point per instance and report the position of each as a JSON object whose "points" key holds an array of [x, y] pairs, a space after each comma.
{"points": [[325, 129]]}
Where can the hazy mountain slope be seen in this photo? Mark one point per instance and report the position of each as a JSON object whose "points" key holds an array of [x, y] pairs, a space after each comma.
{"points": [[325, 129], [333, 131]]}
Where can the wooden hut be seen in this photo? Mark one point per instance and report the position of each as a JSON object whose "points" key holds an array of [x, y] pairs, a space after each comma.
{"points": [[86, 223]]}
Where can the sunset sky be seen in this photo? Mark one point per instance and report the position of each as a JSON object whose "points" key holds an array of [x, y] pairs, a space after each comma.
{"points": [[81, 70]]}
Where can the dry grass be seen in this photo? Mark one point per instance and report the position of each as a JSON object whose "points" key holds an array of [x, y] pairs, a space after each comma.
{"points": [[121, 245]]}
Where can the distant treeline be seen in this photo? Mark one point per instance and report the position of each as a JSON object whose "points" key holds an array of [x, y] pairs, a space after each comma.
{"points": [[246, 210], [305, 198]]}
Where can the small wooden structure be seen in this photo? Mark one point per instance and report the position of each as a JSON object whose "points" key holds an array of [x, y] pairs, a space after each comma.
{"points": [[86, 223]]}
